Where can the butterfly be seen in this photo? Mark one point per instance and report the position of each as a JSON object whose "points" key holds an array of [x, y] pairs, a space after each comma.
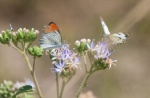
{"points": [[51, 38], [115, 38]]}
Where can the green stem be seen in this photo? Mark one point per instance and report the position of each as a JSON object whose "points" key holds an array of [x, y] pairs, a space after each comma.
{"points": [[83, 84], [17, 48], [33, 67], [89, 55], [33, 75], [85, 63], [57, 85], [62, 88]]}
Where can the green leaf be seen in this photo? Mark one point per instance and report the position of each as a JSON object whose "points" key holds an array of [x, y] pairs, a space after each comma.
{"points": [[22, 89]]}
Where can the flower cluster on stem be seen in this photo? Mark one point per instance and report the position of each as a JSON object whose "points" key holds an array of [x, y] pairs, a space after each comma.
{"points": [[99, 56], [65, 61], [22, 40]]}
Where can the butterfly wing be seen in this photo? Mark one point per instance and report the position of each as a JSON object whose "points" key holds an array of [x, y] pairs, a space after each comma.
{"points": [[51, 38], [105, 28], [118, 38]]}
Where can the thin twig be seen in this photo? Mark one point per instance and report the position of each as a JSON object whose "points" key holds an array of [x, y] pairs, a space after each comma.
{"points": [[82, 85], [85, 63], [62, 88], [33, 75], [57, 85]]}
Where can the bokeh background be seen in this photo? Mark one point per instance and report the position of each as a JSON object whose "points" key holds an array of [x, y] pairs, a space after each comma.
{"points": [[78, 19]]}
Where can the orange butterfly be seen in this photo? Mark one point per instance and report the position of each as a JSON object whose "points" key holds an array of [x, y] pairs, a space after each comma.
{"points": [[51, 38]]}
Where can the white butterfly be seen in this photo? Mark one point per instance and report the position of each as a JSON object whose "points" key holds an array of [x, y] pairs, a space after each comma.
{"points": [[116, 38]]}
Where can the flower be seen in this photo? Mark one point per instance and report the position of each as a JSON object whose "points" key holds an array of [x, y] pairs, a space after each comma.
{"points": [[59, 67], [36, 32], [64, 59], [88, 40], [61, 53], [8, 89], [74, 62], [24, 35], [83, 40], [25, 30], [19, 30], [77, 43], [101, 53], [102, 50], [5, 37], [36, 51], [14, 33], [83, 45], [111, 62]]}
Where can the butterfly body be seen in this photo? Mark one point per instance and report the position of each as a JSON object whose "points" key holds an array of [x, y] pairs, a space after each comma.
{"points": [[51, 38], [115, 38]]}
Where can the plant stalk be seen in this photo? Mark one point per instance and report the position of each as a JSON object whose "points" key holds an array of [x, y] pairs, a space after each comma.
{"points": [[33, 75], [62, 88], [57, 85], [85, 63], [83, 84]]}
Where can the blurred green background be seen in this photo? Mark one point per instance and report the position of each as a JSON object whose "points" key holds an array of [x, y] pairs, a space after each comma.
{"points": [[78, 19]]}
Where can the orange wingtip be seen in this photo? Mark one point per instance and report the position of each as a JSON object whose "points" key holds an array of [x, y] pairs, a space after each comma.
{"points": [[51, 27]]}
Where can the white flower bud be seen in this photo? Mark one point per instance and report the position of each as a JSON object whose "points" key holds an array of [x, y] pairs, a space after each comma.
{"points": [[14, 33], [77, 43], [0, 35], [3, 31], [83, 40], [32, 29], [25, 30], [88, 41], [36, 32], [20, 30]]}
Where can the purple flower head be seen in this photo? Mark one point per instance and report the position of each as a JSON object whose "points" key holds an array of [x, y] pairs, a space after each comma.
{"points": [[73, 62], [66, 54], [102, 50], [101, 54], [61, 53], [64, 58], [59, 67]]}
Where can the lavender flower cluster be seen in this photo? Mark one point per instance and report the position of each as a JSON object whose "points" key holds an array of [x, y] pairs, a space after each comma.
{"points": [[100, 52], [65, 60]]}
